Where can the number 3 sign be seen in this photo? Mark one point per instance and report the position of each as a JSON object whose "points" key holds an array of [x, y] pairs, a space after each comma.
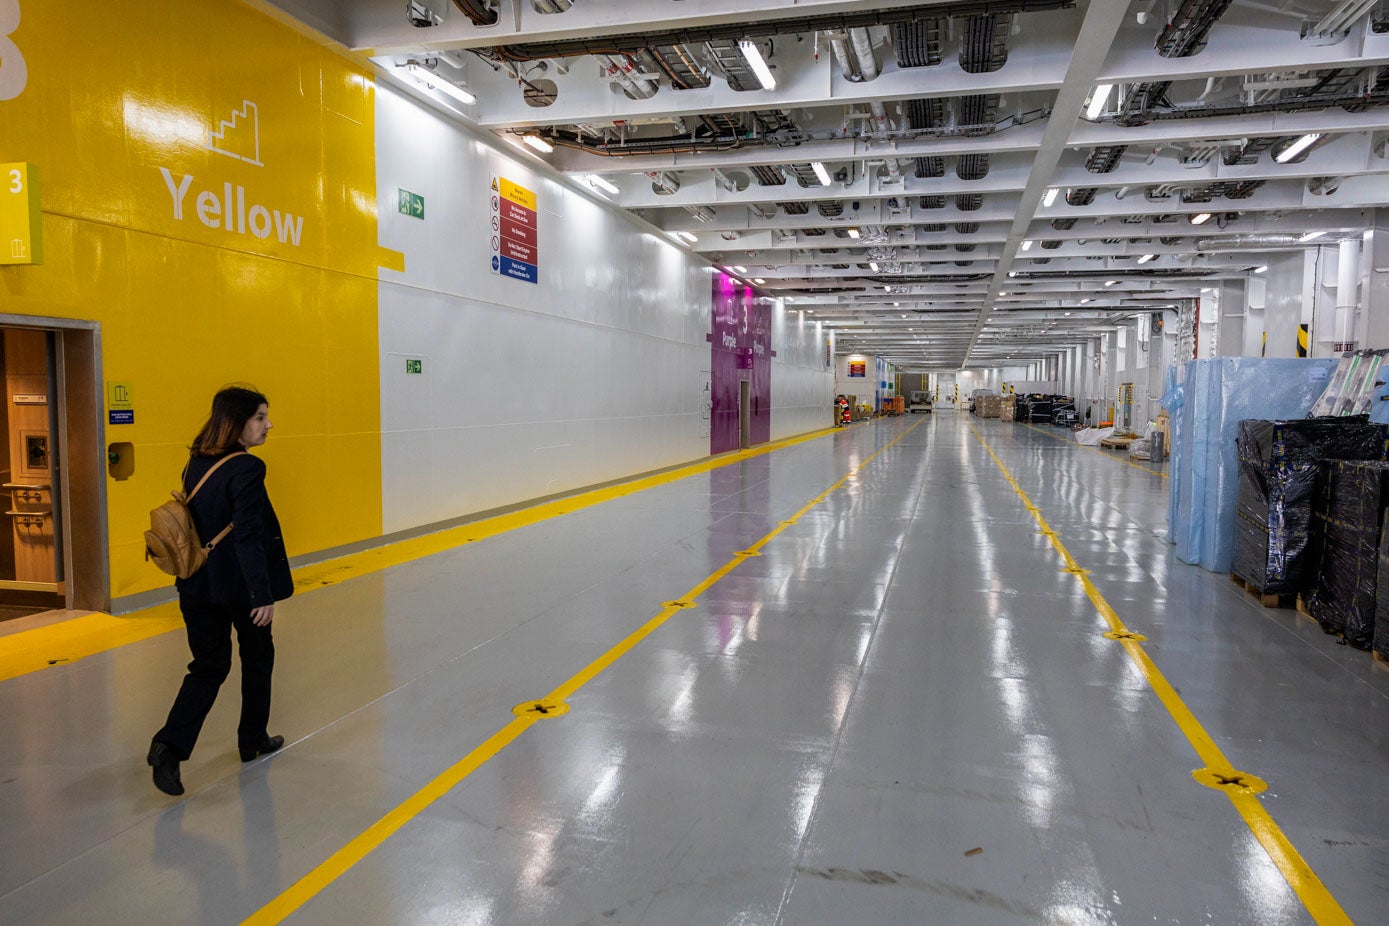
{"points": [[14, 74]]}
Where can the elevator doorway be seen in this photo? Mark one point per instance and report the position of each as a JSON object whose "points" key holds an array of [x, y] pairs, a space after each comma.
{"points": [[51, 478]]}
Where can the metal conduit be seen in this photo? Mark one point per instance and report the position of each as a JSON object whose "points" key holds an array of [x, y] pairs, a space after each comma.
{"points": [[833, 22]]}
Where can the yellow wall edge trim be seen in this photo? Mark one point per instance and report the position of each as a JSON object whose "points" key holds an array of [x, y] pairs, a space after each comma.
{"points": [[68, 641], [1300, 877]]}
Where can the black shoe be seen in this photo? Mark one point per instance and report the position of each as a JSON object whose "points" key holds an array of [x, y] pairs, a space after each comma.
{"points": [[166, 777], [267, 746]]}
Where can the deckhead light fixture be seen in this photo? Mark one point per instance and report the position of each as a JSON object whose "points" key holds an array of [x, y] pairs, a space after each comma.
{"points": [[753, 56], [433, 80]]}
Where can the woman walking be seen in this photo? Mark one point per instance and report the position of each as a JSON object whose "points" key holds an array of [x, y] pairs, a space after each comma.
{"points": [[245, 574]]}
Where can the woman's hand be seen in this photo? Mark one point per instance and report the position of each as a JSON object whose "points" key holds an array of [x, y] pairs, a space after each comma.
{"points": [[263, 615]]}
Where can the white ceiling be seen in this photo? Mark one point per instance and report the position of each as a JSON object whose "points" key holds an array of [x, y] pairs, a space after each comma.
{"points": [[942, 169]]}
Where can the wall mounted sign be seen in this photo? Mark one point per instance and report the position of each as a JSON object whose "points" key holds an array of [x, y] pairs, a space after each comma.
{"points": [[858, 369], [21, 219], [120, 403], [411, 204], [515, 231]]}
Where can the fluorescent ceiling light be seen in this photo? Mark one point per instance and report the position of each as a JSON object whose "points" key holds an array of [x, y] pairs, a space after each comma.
{"points": [[428, 78], [1261, 269], [685, 235], [758, 64], [820, 172], [1147, 257], [1297, 147], [873, 265], [538, 143], [1083, 301], [1097, 100], [1200, 218], [759, 281], [1027, 244], [1310, 236], [1110, 282], [853, 233], [602, 184], [740, 269], [1049, 196]]}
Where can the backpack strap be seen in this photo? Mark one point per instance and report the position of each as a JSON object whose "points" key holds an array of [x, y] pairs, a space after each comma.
{"points": [[207, 475], [207, 547]]}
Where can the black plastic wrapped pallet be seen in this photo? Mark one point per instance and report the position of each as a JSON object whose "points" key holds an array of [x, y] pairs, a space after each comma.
{"points": [[1278, 479], [1380, 641], [1347, 518]]}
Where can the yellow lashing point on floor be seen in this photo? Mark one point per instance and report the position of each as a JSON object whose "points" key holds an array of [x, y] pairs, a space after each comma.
{"points": [[303, 890]]}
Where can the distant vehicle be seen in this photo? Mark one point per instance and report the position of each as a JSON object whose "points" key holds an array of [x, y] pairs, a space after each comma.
{"points": [[919, 402]]}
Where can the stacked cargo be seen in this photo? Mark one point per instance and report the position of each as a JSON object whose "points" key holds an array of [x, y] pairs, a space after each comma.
{"points": [[1279, 475], [988, 406], [1380, 642], [1348, 517], [1008, 408]]}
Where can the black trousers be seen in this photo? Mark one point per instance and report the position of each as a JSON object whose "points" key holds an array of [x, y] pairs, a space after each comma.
{"points": [[209, 637]]}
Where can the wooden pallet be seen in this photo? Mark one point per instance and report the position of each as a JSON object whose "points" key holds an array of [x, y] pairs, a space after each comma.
{"points": [[1380, 658], [1117, 443], [1274, 600]]}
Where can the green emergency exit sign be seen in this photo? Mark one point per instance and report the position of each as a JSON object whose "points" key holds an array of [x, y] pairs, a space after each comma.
{"points": [[414, 366], [411, 204]]}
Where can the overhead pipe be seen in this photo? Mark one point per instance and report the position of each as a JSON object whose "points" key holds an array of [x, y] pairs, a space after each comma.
{"points": [[1341, 18], [863, 51], [619, 69], [848, 65], [830, 22]]}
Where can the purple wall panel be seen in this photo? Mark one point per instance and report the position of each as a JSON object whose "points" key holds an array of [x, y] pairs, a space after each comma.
{"points": [[740, 348], [760, 339]]}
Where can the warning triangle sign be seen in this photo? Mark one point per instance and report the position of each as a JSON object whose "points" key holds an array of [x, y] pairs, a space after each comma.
{"points": [[494, 183]]}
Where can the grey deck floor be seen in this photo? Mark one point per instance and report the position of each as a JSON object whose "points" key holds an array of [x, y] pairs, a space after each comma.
{"points": [[903, 675]]}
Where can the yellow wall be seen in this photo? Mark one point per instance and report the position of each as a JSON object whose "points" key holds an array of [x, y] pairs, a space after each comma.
{"points": [[114, 93]]}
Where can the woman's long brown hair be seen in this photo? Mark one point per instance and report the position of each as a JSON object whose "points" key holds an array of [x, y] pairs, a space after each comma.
{"points": [[232, 407]]}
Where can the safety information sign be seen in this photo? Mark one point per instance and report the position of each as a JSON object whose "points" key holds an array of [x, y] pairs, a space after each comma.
{"points": [[515, 231]]}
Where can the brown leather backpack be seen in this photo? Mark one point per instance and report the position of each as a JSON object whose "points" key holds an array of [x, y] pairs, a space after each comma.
{"points": [[172, 540]]}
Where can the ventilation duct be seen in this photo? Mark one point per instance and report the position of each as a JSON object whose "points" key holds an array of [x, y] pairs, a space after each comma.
{"points": [[1246, 242]]}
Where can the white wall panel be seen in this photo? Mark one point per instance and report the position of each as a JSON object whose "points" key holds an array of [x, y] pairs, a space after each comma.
{"points": [[802, 385], [527, 389], [595, 373]]}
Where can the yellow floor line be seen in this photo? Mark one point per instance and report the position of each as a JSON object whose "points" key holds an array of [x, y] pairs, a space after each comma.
{"points": [[68, 641], [1299, 875], [1106, 455], [360, 847]]}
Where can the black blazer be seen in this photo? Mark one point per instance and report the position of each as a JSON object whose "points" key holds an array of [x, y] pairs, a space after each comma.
{"points": [[249, 567]]}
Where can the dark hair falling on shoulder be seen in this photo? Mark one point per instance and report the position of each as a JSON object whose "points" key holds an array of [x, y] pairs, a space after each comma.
{"points": [[232, 407]]}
